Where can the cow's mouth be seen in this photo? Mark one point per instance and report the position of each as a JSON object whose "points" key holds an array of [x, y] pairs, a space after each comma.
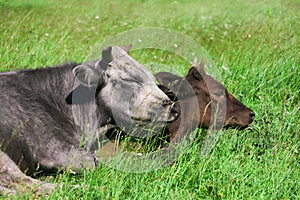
{"points": [[155, 121], [139, 119], [173, 115]]}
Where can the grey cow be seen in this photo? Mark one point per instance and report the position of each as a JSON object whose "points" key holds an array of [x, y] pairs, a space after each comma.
{"points": [[45, 111], [13, 180]]}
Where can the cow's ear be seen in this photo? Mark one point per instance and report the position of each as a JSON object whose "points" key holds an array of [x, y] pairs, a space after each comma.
{"points": [[81, 95], [106, 58], [87, 75], [107, 55], [166, 78], [127, 48], [196, 73]]}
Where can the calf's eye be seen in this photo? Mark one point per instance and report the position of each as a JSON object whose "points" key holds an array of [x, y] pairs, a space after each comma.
{"points": [[219, 94]]}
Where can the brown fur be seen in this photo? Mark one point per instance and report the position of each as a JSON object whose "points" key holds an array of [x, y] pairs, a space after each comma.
{"points": [[199, 90]]}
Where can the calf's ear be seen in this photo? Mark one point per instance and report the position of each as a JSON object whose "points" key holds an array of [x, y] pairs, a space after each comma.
{"points": [[196, 72], [168, 92], [87, 75], [166, 78]]}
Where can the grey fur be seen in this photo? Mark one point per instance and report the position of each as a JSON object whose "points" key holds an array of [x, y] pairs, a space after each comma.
{"points": [[45, 111]]}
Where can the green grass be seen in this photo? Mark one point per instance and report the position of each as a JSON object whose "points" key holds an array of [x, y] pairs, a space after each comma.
{"points": [[255, 46]]}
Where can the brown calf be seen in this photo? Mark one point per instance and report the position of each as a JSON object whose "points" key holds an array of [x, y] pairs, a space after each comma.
{"points": [[197, 95]]}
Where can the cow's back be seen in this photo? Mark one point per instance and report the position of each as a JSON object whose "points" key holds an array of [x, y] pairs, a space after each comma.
{"points": [[36, 124]]}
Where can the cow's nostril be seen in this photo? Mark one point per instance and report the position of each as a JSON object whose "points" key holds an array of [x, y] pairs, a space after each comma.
{"points": [[166, 102], [174, 110], [252, 115]]}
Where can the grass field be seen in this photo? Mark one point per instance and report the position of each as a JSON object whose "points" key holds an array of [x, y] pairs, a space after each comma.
{"points": [[256, 46]]}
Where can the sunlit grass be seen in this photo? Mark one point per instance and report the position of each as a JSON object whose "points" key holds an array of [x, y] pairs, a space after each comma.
{"points": [[255, 46]]}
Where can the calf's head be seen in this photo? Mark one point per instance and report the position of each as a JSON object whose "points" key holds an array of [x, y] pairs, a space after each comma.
{"points": [[211, 95], [125, 91]]}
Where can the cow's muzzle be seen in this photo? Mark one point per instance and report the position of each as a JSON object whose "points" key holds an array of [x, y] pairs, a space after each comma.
{"points": [[174, 113]]}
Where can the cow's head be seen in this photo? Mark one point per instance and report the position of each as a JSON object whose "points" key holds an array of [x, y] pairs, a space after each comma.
{"points": [[125, 91], [209, 93]]}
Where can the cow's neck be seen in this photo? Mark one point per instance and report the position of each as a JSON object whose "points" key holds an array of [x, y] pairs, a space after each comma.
{"points": [[52, 84]]}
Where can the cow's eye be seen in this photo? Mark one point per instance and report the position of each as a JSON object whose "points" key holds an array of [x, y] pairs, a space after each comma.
{"points": [[131, 81]]}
